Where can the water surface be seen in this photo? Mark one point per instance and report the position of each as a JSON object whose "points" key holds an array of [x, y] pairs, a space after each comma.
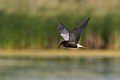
{"points": [[59, 69]]}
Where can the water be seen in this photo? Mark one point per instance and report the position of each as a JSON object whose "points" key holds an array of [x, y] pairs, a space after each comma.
{"points": [[59, 69]]}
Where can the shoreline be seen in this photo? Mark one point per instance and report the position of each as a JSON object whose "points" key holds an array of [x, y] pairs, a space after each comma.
{"points": [[70, 53]]}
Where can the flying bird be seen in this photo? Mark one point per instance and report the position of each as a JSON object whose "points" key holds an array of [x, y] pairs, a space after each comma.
{"points": [[71, 38]]}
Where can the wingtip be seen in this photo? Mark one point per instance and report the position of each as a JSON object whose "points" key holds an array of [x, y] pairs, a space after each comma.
{"points": [[60, 22], [88, 18]]}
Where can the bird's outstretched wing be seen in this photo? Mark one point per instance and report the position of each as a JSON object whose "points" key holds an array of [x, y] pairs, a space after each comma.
{"points": [[77, 31], [63, 32]]}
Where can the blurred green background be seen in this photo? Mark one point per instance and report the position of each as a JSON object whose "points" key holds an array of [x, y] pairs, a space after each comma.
{"points": [[32, 24]]}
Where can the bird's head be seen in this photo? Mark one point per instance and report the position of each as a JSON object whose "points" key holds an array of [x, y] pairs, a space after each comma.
{"points": [[62, 43]]}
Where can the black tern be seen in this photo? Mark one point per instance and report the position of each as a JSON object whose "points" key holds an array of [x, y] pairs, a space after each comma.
{"points": [[71, 38]]}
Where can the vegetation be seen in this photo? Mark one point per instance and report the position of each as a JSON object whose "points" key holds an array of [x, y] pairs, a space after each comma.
{"points": [[32, 24], [23, 31]]}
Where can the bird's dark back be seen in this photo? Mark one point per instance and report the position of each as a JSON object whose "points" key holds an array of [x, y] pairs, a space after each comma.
{"points": [[69, 44]]}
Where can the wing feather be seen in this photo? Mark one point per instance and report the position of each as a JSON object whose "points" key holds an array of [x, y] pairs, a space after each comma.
{"points": [[63, 32], [77, 31]]}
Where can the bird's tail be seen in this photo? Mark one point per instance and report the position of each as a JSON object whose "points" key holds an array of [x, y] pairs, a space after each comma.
{"points": [[80, 46]]}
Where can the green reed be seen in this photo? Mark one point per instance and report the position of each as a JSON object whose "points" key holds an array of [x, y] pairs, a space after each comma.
{"points": [[40, 31]]}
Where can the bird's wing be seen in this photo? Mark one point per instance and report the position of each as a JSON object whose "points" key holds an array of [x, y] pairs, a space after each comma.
{"points": [[77, 31], [63, 32]]}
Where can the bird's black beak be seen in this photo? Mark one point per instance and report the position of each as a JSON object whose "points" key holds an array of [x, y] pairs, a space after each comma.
{"points": [[59, 45]]}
